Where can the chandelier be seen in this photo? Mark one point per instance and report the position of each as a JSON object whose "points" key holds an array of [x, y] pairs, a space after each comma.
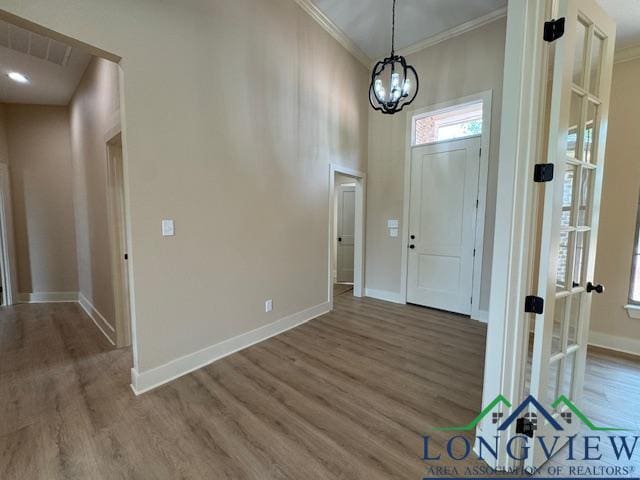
{"points": [[394, 84]]}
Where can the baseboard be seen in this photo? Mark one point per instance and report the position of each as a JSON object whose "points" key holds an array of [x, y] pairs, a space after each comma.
{"points": [[48, 297], [107, 330], [383, 295], [480, 315], [613, 342], [144, 381]]}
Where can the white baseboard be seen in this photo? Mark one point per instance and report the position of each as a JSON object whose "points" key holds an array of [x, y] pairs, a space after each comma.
{"points": [[383, 295], [613, 342], [144, 381], [480, 315], [48, 297], [97, 318]]}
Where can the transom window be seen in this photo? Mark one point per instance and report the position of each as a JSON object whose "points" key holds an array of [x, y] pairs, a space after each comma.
{"points": [[451, 123]]}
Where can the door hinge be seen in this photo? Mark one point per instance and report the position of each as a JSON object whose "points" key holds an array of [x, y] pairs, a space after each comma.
{"points": [[126, 256], [543, 172], [525, 426], [553, 29], [533, 304], [480, 152], [474, 252], [472, 300], [477, 202]]}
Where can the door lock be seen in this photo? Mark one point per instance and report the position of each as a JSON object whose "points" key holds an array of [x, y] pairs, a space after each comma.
{"points": [[412, 247]]}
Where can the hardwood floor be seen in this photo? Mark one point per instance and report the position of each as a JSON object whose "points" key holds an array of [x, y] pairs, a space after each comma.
{"points": [[346, 396]]}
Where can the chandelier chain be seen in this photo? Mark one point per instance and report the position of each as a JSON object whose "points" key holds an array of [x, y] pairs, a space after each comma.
{"points": [[393, 30]]}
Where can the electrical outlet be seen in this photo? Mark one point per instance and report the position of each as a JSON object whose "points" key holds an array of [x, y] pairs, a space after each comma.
{"points": [[268, 305]]}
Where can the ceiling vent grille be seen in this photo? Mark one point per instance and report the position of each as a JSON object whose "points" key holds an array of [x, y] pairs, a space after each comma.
{"points": [[33, 44]]}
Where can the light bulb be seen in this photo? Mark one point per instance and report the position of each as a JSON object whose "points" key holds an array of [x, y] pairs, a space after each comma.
{"points": [[395, 80], [379, 89], [407, 87]]}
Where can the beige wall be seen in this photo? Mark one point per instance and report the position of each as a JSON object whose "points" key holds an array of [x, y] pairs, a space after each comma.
{"points": [[94, 110], [465, 65], [41, 188], [618, 212], [234, 111]]}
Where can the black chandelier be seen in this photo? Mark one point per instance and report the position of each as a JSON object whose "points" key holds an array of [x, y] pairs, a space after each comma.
{"points": [[394, 84]]}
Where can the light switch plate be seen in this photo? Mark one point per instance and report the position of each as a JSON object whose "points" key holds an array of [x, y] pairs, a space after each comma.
{"points": [[393, 232], [168, 229], [392, 223], [268, 305]]}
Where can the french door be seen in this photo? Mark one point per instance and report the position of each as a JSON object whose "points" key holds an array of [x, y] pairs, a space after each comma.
{"points": [[578, 114]]}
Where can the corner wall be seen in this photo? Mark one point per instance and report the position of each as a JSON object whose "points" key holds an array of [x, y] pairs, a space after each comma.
{"points": [[610, 324], [40, 169], [94, 111]]}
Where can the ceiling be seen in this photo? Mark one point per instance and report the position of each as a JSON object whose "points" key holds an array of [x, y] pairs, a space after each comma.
{"points": [[368, 22], [54, 68], [626, 13]]}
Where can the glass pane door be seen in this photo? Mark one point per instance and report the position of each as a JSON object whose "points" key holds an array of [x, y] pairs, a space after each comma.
{"points": [[579, 105]]}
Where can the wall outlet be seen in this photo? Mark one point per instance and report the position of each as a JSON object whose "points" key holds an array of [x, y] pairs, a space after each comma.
{"points": [[268, 305]]}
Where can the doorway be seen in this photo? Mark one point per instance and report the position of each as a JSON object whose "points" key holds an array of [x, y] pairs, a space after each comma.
{"points": [[346, 232], [6, 238], [446, 172], [442, 224], [118, 238]]}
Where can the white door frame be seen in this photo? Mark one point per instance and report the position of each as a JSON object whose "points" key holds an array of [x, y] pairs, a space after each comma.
{"points": [[360, 179], [486, 97], [516, 210], [7, 255]]}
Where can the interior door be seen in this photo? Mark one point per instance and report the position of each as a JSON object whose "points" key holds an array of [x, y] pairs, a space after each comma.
{"points": [[577, 133], [442, 224], [346, 229]]}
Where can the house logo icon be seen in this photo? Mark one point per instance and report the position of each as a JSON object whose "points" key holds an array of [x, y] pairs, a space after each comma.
{"points": [[529, 415]]}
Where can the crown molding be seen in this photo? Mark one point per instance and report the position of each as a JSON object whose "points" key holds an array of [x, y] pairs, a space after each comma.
{"points": [[627, 54], [333, 30], [454, 32]]}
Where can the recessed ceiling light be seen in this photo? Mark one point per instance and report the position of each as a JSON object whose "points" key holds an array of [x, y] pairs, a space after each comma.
{"points": [[18, 77]]}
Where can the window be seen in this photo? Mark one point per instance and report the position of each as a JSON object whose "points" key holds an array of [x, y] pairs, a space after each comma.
{"points": [[634, 290], [448, 124]]}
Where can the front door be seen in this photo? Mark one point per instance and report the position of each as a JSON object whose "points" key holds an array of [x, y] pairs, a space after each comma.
{"points": [[577, 134], [442, 224], [346, 230]]}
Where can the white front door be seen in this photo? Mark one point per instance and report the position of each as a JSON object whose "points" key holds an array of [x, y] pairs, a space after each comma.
{"points": [[442, 224], [346, 229], [577, 135]]}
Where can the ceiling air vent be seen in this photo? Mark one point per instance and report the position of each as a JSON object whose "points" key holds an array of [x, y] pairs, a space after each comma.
{"points": [[33, 44]]}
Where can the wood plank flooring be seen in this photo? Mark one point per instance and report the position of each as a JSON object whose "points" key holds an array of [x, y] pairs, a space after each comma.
{"points": [[346, 396]]}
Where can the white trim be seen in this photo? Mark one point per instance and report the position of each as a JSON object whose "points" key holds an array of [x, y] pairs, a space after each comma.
{"points": [[107, 330], [48, 297], [454, 32], [359, 230], [7, 251], [384, 295], [523, 85], [627, 54], [613, 342], [486, 97], [332, 29], [480, 315], [144, 381], [633, 311]]}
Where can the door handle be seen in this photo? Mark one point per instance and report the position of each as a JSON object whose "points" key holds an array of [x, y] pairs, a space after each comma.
{"points": [[597, 288], [413, 237], [339, 239], [412, 247]]}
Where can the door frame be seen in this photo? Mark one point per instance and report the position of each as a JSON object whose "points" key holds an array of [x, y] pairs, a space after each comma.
{"points": [[117, 226], [485, 143], [360, 179], [7, 255]]}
